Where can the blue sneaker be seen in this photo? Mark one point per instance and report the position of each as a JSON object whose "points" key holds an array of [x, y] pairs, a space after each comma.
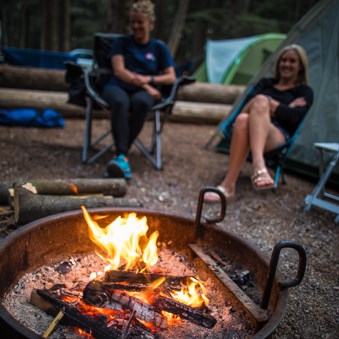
{"points": [[119, 167]]}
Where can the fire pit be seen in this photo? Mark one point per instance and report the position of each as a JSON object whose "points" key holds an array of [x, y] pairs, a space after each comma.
{"points": [[49, 240]]}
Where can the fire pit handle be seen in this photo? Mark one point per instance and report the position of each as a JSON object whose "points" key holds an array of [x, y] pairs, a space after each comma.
{"points": [[273, 267], [219, 218]]}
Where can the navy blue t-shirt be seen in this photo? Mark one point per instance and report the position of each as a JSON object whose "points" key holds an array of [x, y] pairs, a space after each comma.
{"points": [[149, 59]]}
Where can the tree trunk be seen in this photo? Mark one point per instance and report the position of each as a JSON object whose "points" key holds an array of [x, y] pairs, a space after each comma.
{"points": [[177, 27]]}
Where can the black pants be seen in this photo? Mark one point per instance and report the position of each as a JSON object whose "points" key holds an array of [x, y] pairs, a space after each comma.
{"points": [[129, 112]]}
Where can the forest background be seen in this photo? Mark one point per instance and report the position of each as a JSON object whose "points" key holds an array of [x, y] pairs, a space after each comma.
{"points": [[64, 25]]}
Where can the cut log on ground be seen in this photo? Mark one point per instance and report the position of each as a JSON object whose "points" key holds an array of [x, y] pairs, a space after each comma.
{"points": [[32, 78], [20, 98], [29, 206], [210, 93], [110, 186], [199, 113]]}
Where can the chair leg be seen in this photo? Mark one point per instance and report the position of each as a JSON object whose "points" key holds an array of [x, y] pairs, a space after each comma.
{"points": [[88, 129], [155, 159], [157, 128]]}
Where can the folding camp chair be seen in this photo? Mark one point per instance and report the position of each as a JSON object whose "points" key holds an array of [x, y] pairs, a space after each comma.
{"points": [[93, 81], [319, 197], [275, 158]]}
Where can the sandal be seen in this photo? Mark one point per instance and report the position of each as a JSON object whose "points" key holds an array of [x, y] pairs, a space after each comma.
{"points": [[211, 197], [260, 176]]}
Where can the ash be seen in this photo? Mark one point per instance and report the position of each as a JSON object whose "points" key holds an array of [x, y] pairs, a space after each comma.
{"points": [[74, 272]]}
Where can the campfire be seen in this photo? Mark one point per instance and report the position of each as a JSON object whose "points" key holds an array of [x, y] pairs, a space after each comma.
{"points": [[131, 297], [127, 273]]}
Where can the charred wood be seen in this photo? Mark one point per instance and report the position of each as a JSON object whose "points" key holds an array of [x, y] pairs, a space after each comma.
{"points": [[185, 312], [100, 326], [170, 282], [98, 294]]}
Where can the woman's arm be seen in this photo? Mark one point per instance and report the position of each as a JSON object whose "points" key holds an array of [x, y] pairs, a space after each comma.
{"points": [[122, 73], [295, 110]]}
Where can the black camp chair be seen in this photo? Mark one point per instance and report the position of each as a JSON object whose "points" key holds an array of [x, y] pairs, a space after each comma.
{"points": [[85, 87], [275, 158]]}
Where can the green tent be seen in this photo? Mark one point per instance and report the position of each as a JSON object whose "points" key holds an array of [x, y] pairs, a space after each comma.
{"points": [[235, 61]]}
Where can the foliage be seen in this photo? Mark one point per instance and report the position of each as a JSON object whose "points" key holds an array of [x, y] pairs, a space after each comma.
{"points": [[23, 24]]}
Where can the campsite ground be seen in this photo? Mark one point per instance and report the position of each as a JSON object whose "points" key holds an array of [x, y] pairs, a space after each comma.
{"points": [[264, 218]]}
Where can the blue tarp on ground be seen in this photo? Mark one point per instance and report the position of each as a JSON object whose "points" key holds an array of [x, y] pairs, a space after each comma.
{"points": [[28, 117]]}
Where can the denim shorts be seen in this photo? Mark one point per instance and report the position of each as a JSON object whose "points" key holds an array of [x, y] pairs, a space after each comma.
{"points": [[277, 124]]}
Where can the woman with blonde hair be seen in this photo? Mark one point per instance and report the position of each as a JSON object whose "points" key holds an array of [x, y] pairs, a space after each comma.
{"points": [[268, 119], [140, 65]]}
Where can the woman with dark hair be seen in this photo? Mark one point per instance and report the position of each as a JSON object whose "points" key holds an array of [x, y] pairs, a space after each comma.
{"points": [[140, 65], [269, 118]]}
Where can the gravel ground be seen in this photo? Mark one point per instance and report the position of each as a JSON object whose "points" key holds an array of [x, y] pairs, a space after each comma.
{"points": [[264, 218]]}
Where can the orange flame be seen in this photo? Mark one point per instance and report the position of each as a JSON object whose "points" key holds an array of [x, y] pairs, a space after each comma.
{"points": [[193, 294], [121, 240]]}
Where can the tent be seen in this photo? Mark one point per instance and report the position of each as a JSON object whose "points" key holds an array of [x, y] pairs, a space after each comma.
{"points": [[318, 33], [235, 61]]}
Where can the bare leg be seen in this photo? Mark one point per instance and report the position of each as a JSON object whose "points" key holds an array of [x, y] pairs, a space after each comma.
{"points": [[264, 136], [238, 153]]}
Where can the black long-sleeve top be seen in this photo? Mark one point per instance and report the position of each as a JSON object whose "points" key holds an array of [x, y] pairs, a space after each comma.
{"points": [[287, 117]]}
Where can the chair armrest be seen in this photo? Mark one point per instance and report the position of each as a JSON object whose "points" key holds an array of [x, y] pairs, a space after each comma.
{"points": [[183, 80], [167, 103], [77, 70]]}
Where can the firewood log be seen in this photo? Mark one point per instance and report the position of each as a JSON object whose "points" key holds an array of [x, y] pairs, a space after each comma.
{"points": [[210, 93], [100, 326], [29, 206], [110, 186], [32, 78], [96, 293]]}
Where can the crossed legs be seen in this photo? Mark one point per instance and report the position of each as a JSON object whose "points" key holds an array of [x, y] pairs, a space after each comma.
{"points": [[253, 132]]}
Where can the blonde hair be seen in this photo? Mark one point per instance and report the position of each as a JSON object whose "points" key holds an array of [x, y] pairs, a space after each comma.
{"points": [[145, 7], [302, 78]]}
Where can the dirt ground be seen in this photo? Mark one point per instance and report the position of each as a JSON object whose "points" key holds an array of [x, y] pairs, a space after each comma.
{"points": [[264, 218]]}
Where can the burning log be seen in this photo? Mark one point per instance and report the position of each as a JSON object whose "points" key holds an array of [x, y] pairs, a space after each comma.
{"points": [[92, 320], [185, 312], [101, 294], [116, 187], [29, 206], [96, 293], [143, 279]]}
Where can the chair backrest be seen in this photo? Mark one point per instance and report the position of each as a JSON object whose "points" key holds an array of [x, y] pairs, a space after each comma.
{"points": [[102, 46]]}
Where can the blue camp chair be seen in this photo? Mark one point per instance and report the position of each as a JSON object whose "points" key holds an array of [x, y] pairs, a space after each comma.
{"points": [[275, 158]]}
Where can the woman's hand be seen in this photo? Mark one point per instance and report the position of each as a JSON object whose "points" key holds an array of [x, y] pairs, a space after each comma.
{"points": [[298, 102], [153, 92]]}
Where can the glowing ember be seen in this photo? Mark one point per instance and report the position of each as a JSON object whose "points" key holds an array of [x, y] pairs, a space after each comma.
{"points": [[120, 242]]}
